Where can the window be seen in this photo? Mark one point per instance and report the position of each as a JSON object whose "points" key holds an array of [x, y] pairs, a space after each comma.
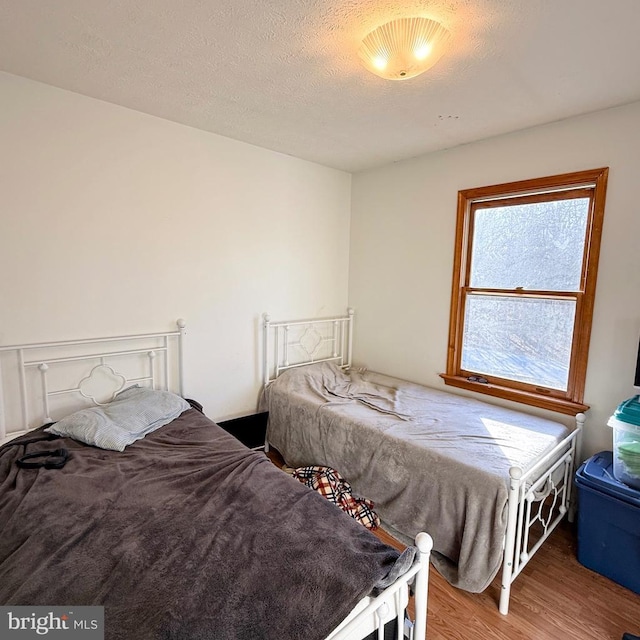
{"points": [[524, 281]]}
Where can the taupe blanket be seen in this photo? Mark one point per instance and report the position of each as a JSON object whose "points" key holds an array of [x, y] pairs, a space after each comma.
{"points": [[430, 460], [187, 535]]}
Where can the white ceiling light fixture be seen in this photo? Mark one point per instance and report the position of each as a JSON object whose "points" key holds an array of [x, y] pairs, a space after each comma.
{"points": [[404, 48]]}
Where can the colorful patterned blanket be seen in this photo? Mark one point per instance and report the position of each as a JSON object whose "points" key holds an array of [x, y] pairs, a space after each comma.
{"points": [[330, 484]]}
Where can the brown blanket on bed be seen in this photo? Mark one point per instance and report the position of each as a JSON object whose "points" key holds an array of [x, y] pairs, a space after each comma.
{"points": [[186, 534]]}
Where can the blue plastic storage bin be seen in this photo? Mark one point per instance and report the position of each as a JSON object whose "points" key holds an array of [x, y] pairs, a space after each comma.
{"points": [[608, 522]]}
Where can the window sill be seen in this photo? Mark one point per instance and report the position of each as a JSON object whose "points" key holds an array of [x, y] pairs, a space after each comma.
{"points": [[560, 405]]}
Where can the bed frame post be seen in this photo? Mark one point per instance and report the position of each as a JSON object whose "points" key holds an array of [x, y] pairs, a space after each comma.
{"points": [[350, 312], [266, 321], [424, 543], [580, 420], [3, 423], [182, 332], [515, 473], [577, 459]]}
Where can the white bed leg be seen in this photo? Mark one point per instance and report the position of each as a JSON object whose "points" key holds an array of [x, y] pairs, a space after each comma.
{"points": [[515, 474], [424, 544]]}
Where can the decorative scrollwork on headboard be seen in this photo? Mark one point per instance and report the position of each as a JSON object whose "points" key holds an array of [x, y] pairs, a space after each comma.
{"points": [[295, 343], [93, 386], [82, 370]]}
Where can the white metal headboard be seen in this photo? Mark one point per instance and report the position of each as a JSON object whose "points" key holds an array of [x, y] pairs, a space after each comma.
{"points": [[73, 374], [295, 343]]}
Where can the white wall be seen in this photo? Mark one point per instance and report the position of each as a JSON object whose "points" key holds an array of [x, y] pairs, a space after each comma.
{"points": [[402, 240], [112, 221]]}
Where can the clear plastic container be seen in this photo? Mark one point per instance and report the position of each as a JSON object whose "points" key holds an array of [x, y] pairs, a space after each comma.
{"points": [[626, 442]]}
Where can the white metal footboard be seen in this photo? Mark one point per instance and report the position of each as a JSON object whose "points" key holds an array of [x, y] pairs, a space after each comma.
{"points": [[388, 605], [538, 500]]}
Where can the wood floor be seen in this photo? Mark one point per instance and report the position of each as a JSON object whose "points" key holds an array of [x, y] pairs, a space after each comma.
{"points": [[555, 598]]}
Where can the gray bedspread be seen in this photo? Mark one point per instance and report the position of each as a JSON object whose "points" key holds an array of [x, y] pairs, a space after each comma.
{"points": [[430, 460], [186, 535]]}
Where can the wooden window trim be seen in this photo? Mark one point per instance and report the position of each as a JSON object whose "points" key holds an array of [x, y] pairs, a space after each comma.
{"points": [[579, 184]]}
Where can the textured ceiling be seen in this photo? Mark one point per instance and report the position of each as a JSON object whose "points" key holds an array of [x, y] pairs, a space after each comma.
{"points": [[285, 74]]}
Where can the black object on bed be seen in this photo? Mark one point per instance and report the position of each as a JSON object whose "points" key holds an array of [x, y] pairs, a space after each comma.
{"points": [[186, 534]]}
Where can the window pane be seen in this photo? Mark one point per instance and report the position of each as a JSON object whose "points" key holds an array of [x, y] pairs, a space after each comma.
{"points": [[534, 246], [522, 339]]}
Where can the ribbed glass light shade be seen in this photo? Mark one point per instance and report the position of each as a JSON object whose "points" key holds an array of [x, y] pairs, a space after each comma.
{"points": [[404, 48]]}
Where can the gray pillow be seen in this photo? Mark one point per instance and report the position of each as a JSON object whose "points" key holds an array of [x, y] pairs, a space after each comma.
{"points": [[130, 416]]}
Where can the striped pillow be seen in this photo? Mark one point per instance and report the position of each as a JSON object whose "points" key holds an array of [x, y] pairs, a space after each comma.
{"points": [[130, 416]]}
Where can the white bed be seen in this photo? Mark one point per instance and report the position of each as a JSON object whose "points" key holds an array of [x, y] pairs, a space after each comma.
{"points": [[319, 415], [43, 382]]}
